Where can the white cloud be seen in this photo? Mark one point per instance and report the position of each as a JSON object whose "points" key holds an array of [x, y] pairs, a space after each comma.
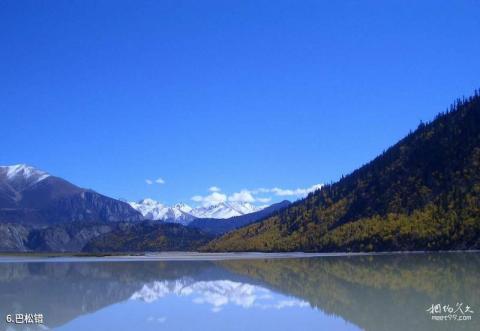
{"points": [[263, 200], [251, 196], [159, 181], [242, 196], [291, 303], [211, 199], [217, 294], [197, 198], [289, 192]]}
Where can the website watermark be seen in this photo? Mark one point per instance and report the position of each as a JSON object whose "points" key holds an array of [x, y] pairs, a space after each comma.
{"points": [[458, 312]]}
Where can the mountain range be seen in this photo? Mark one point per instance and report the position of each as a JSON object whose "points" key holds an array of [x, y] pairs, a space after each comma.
{"points": [[30, 195], [423, 193], [41, 212], [184, 214]]}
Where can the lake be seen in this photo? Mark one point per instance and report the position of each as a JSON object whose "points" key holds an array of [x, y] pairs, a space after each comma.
{"points": [[439, 291]]}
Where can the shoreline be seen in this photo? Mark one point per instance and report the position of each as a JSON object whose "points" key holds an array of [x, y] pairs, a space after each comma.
{"points": [[13, 257]]}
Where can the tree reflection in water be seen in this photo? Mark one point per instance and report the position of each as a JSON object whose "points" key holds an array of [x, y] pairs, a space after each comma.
{"points": [[374, 292]]}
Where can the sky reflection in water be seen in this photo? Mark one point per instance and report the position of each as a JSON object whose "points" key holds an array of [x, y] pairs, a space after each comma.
{"points": [[208, 305], [384, 292]]}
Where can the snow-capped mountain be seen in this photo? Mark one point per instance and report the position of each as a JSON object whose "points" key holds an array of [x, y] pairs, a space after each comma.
{"points": [[29, 195], [182, 213], [225, 210], [154, 210], [20, 176], [218, 294]]}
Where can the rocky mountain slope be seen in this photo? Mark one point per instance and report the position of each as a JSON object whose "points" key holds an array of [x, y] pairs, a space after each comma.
{"points": [[31, 196]]}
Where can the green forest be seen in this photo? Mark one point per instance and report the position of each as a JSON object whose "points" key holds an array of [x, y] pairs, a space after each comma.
{"points": [[423, 193], [148, 236]]}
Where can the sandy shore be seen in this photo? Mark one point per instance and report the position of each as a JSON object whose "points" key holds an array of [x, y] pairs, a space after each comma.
{"points": [[181, 256]]}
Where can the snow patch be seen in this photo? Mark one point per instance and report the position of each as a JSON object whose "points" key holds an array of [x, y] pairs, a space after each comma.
{"points": [[28, 173], [183, 213]]}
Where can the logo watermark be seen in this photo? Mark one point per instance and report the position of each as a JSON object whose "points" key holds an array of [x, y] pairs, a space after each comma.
{"points": [[457, 312]]}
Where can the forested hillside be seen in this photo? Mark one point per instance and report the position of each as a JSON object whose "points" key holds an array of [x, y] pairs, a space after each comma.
{"points": [[148, 236], [423, 193]]}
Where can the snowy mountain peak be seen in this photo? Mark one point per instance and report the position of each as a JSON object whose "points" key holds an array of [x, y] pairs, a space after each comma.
{"points": [[184, 207], [183, 213], [225, 210], [23, 172], [154, 210]]}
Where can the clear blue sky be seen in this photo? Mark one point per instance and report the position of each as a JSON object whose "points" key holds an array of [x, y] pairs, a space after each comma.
{"points": [[237, 94]]}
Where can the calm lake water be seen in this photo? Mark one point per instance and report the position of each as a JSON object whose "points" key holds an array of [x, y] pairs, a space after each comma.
{"points": [[369, 292]]}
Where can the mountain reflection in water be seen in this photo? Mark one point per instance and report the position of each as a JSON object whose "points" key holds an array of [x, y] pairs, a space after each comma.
{"points": [[377, 292]]}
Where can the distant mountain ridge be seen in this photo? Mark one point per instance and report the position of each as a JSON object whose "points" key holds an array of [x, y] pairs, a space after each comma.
{"points": [[184, 214], [226, 210], [156, 211], [148, 236], [101, 237], [32, 196], [220, 226]]}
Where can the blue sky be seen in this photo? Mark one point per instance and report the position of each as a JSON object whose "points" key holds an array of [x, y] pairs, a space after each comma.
{"points": [[233, 94]]}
